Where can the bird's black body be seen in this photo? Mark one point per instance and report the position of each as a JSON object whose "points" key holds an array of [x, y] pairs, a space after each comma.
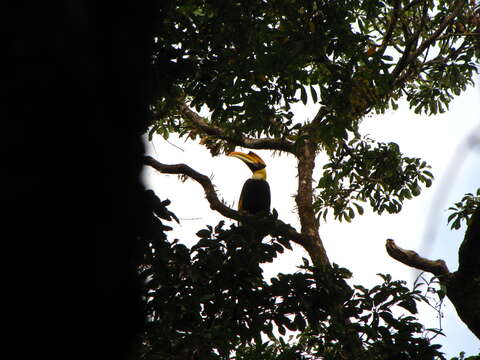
{"points": [[255, 196]]}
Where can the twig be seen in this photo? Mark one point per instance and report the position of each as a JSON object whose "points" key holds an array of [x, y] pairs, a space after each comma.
{"points": [[172, 144]]}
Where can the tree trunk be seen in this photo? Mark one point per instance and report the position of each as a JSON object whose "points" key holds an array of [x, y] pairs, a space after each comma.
{"points": [[304, 200]]}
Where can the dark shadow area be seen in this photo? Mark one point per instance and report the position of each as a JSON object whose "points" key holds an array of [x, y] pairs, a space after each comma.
{"points": [[77, 90]]}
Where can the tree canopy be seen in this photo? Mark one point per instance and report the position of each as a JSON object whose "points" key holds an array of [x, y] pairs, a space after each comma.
{"points": [[247, 63]]}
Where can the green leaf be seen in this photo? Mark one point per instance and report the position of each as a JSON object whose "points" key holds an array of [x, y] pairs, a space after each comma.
{"points": [[285, 242], [204, 233], [359, 208], [380, 298], [303, 95], [451, 216], [409, 305], [442, 292], [388, 318], [415, 190], [314, 94]]}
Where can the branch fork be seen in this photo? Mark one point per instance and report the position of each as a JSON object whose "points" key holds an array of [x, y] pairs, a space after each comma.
{"points": [[462, 286]]}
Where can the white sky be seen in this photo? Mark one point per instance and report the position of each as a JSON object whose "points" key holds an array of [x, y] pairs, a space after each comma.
{"points": [[358, 246]]}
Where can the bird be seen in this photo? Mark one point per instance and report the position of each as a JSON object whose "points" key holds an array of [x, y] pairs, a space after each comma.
{"points": [[255, 195]]}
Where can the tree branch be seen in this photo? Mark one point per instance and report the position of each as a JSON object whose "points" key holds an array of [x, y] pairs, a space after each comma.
{"points": [[280, 228], [322, 112], [410, 42], [463, 285], [204, 181], [457, 7], [304, 200], [411, 53], [263, 143], [412, 259], [391, 26]]}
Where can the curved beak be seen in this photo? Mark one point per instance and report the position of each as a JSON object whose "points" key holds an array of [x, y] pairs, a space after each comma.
{"points": [[250, 158]]}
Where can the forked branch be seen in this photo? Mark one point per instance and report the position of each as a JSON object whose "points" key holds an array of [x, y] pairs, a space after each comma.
{"points": [[203, 126]]}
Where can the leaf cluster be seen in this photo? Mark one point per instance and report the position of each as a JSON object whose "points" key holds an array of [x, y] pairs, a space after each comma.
{"points": [[461, 356], [464, 209], [248, 61], [209, 298], [365, 171], [212, 299], [388, 334]]}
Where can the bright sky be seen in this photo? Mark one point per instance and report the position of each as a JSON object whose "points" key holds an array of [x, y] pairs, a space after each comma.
{"points": [[358, 246]]}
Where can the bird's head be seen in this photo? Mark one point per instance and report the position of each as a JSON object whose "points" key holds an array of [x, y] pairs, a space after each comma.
{"points": [[254, 162]]}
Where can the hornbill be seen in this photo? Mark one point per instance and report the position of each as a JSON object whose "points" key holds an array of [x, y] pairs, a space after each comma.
{"points": [[255, 195]]}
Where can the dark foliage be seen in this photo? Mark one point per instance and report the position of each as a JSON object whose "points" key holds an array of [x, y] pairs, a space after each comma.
{"points": [[212, 299]]}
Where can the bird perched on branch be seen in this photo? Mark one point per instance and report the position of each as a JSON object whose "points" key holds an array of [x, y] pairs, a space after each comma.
{"points": [[255, 195]]}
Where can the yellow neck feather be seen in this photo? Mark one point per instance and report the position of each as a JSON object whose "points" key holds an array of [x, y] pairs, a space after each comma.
{"points": [[260, 174]]}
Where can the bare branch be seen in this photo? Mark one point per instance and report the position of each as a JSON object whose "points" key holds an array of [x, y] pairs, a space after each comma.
{"points": [[263, 143], [412, 259], [280, 228]]}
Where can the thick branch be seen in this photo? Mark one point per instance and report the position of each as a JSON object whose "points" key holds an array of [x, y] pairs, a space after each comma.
{"points": [[463, 286], [412, 259], [211, 194], [280, 229], [310, 227], [263, 143], [304, 200]]}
